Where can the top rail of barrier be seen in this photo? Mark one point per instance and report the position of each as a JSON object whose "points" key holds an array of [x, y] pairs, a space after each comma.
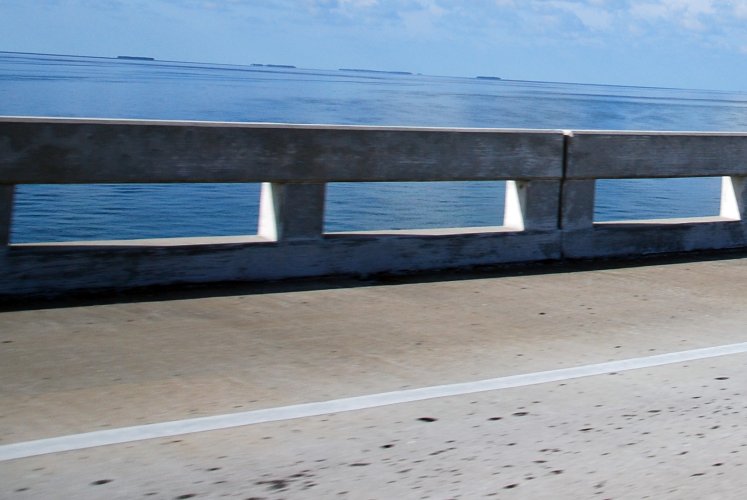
{"points": [[40, 150]]}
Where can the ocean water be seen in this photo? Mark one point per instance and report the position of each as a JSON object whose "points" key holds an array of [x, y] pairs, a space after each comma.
{"points": [[44, 85]]}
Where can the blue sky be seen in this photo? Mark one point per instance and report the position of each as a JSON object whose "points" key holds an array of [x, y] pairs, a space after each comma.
{"points": [[674, 43]]}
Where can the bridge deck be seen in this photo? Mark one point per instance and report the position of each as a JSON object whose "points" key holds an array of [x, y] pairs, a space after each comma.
{"points": [[662, 427]]}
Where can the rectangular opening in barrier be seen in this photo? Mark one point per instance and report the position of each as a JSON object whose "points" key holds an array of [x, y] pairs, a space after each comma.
{"points": [[84, 212], [373, 206], [645, 199]]}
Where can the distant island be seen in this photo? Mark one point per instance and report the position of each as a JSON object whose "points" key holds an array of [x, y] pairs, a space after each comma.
{"points": [[136, 58], [376, 71], [284, 66], [488, 78]]}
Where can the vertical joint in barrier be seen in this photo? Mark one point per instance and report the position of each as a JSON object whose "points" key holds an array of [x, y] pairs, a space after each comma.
{"points": [[576, 195], [577, 211]]}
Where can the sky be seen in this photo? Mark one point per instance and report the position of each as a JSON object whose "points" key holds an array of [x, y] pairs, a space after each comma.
{"points": [[664, 43]]}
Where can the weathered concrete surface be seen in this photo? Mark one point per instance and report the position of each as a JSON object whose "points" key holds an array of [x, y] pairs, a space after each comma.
{"points": [[624, 155], [45, 269], [291, 211], [60, 150], [646, 237], [6, 212], [666, 432]]}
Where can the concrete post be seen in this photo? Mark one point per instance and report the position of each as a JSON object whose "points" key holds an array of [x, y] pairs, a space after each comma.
{"points": [[532, 205], [291, 211], [577, 211], [6, 212], [734, 198]]}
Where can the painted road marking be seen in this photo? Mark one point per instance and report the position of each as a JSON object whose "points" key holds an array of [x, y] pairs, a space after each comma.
{"points": [[216, 422]]}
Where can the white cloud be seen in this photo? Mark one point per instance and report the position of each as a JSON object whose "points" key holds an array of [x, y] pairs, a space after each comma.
{"points": [[649, 11], [483, 23], [687, 13], [740, 8], [359, 3], [542, 21], [592, 14]]}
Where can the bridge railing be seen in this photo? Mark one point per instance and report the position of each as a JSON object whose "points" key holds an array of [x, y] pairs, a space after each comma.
{"points": [[548, 213], [593, 155]]}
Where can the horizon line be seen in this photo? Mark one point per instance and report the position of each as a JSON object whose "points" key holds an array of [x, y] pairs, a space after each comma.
{"points": [[151, 59]]}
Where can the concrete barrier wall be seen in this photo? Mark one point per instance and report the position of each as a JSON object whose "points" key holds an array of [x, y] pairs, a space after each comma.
{"points": [[592, 155], [548, 214]]}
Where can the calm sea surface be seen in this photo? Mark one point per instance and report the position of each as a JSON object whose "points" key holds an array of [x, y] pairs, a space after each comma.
{"points": [[36, 85]]}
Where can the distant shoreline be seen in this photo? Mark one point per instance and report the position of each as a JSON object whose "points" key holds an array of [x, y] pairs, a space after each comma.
{"points": [[371, 71], [376, 71], [136, 58], [282, 66]]}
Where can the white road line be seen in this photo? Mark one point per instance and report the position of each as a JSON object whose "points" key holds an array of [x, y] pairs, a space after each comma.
{"points": [[202, 424]]}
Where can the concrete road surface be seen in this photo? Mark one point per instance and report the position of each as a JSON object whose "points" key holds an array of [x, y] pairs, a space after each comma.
{"points": [[617, 382]]}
